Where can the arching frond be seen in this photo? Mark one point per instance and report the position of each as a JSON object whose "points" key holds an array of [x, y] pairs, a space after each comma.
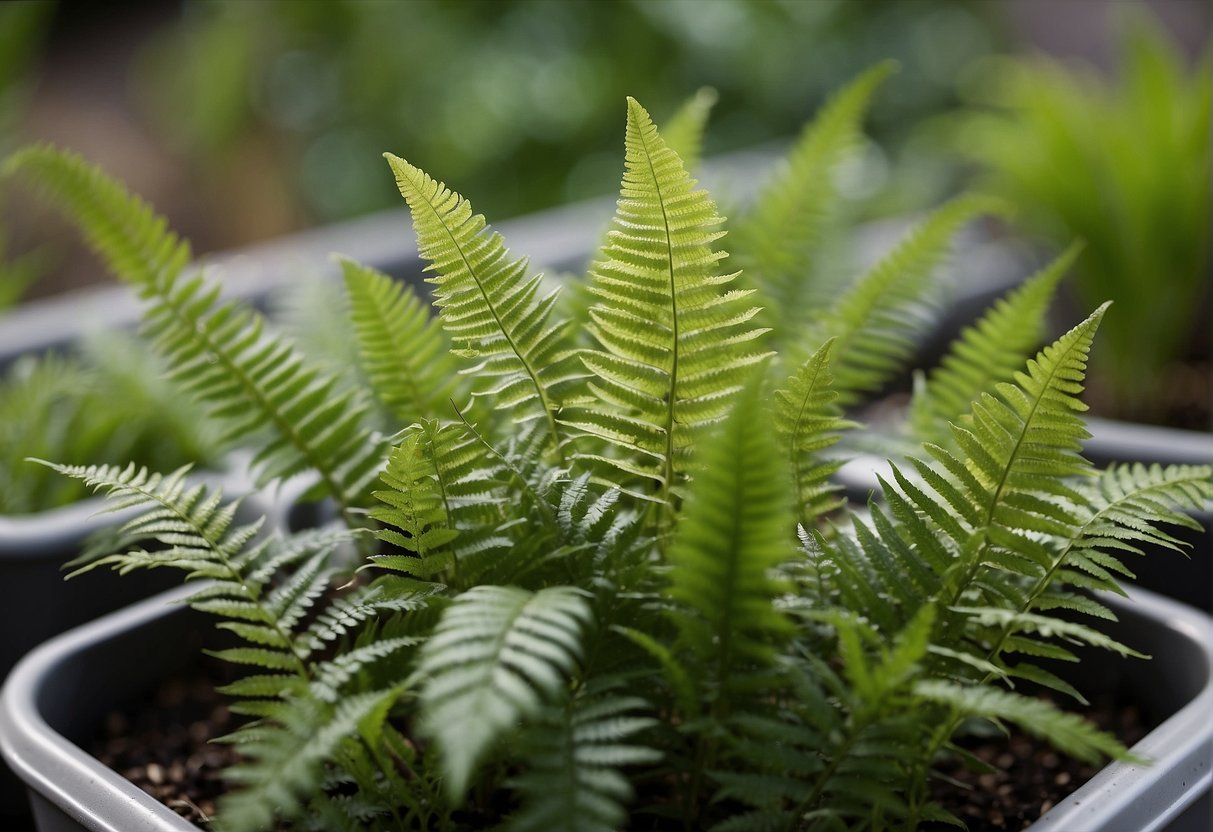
{"points": [[221, 352], [808, 421]]}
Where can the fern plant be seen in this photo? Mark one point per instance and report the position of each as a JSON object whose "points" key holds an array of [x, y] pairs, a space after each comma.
{"points": [[1123, 163], [613, 585]]}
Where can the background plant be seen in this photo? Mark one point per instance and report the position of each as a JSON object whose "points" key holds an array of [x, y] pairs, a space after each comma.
{"points": [[110, 401], [602, 586], [1123, 165]]}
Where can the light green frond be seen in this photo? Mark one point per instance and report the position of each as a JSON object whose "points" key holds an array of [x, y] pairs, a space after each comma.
{"points": [[675, 341], [683, 133], [987, 353], [875, 320], [733, 532], [489, 305], [1067, 732], [572, 756], [497, 655], [808, 421], [775, 243], [404, 351], [220, 352]]}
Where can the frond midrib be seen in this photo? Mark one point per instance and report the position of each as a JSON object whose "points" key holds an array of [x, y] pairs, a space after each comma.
{"points": [[668, 475]]}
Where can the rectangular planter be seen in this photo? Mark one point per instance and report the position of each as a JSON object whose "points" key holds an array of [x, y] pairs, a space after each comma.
{"points": [[42, 604], [45, 718]]}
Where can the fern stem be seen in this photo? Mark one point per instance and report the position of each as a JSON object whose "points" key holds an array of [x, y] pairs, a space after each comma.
{"points": [[668, 468]]}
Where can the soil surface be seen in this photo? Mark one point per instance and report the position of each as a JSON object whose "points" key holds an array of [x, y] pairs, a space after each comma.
{"points": [[1029, 777], [165, 748]]}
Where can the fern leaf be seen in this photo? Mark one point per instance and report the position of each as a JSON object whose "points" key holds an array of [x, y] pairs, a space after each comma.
{"points": [[874, 320], [683, 133], [572, 756], [488, 305], [443, 500], [496, 656], [404, 351], [219, 352], [732, 533], [987, 353], [137, 244], [282, 762], [1067, 732], [775, 243], [675, 344], [808, 422]]}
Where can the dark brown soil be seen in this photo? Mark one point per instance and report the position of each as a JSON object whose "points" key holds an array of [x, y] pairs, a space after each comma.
{"points": [[165, 749], [1029, 777]]}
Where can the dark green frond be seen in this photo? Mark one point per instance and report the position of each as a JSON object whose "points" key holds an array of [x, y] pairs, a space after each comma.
{"points": [[572, 756], [497, 655], [987, 353], [732, 534], [404, 351], [282, 764]]}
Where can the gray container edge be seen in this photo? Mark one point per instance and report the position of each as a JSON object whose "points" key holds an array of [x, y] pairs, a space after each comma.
{"points": [[74, 791]]}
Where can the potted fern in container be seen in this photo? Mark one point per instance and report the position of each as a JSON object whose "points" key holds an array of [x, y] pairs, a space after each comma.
{"points": [[601, 578]]}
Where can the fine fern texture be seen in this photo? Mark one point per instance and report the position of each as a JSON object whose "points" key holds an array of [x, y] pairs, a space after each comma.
{"points": [[604, 580]]}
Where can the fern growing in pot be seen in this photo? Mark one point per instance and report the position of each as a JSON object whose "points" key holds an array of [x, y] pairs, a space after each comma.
{"points": [[602, 578]]}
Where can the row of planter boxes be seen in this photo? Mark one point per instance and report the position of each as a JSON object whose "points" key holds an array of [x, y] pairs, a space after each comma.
{"points": [[44, 719]]}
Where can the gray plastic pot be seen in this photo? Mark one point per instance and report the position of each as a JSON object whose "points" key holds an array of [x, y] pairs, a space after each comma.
{"points": [[45, 718], [42, 604]]}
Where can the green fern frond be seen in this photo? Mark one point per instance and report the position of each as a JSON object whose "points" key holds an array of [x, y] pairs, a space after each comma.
{"points": [[1017, 449], [443, 500], [220, 352], [875, 320], [136, 242], [775, 242], [497, 655], [683, 133], [808, 421], [282, 763], [404, 351], [572, 756], [488, 305], [733, 532], [675, 344], [987, 353], [1067, 732]]}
